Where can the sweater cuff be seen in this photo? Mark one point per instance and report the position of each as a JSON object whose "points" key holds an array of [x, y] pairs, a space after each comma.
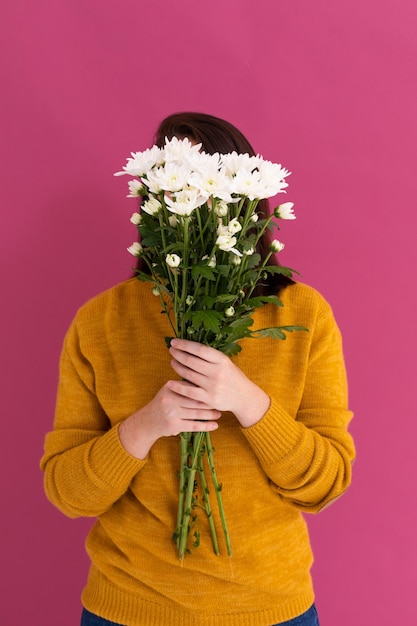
{"points": [[111, 463], [275, 435]]}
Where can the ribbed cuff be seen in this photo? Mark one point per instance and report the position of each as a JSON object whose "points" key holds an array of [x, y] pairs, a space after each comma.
{"points": [[275, 435], [111, 463]]}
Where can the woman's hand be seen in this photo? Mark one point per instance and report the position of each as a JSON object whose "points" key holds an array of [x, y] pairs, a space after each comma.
{"points": [[167, 414], [216, 382], [211, 384]]}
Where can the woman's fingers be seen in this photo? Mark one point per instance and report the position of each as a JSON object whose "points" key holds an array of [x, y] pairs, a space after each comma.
{"points": [[189, 391], [206, 353]]}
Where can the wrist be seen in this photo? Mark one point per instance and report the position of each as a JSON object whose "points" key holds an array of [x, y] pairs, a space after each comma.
{"points": [[249, 413], [134, 439]]}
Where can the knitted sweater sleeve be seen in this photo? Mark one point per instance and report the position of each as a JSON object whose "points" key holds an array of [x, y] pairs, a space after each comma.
{"points": [[308, 459], [86, 469]]}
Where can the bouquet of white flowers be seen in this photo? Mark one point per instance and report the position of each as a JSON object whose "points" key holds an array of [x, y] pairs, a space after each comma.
{"points": [[199, 233]]}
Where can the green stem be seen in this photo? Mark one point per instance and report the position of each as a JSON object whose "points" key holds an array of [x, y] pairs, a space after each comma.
{"points": [[184, 276], [184, 526], [201, 228], [259, 272], [207, 506], [184, 443], [218, 488]]}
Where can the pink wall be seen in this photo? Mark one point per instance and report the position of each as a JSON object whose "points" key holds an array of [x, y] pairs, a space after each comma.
{"points": [[328, 89]]}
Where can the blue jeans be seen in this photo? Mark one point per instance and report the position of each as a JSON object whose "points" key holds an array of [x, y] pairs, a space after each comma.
{"points": [[309, 618], [89, 619]]}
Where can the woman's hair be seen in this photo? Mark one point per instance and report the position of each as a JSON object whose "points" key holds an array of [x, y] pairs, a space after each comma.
{"points": [[218, 135], [215, 134]]}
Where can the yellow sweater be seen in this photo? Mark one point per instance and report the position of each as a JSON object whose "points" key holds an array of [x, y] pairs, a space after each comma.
{"points": [[296, 458]]}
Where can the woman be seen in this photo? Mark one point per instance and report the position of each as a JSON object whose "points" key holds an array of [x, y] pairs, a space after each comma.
{"points": [[279, 416]]}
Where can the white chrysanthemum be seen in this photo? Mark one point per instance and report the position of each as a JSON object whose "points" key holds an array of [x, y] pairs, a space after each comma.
{"points": [[248, 184], [136, 218], [135, 249], [180, 150], [236, 260], [170, 177], [284, 211], [173, 221], [184, 202], [225, 240], [151, 206], [276, 246], [272, 178], [206, 161], [212, 182], [229, 312], [233, 162], [173, 260], [140, 163], [254, 217], [249, 251], [189, 300]]}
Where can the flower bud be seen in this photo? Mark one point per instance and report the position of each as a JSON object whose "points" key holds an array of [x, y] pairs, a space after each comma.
{"points": [[284, 211], [151, 206], [212, 262], [135, 249], [173, 260], [229, 312], [221, 209], [234, 226], [276, 246], [136, 219], [136, 188]]}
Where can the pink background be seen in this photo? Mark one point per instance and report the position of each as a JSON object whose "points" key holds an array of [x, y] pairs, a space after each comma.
{"points": [[326, 88]]}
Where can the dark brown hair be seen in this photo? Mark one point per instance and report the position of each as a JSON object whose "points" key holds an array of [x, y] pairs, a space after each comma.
{"points": [[218, 135]]}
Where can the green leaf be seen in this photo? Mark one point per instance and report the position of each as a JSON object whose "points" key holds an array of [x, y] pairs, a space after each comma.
{"points": [[224, 298], [279, 269], [150, 239], [210, 320], [144, 277], [230, 348], [202, 270], [260, 300], [253, 261], [276, 332], [241, 323], [223, 270], [210, 301]]}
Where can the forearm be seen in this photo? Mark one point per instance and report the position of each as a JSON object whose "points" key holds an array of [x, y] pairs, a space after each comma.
{"points": [[86, 472], [309, 466]]}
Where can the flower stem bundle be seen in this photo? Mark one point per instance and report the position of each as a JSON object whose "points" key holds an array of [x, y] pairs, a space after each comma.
{"points": [[199, 245]]}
